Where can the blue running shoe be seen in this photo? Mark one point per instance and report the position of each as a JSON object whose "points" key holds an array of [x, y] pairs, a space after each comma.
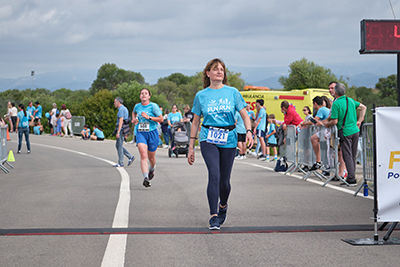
{"points": [[222, 214], [118, 165], [132, 159], [214, 223]]}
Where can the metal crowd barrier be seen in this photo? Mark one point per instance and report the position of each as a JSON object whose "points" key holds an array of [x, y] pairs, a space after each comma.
{"points": [[290, 149], [320, 131], [368, 158], [298, 151], [333, 144], [305, 151], [4, 150], [306, 134]]}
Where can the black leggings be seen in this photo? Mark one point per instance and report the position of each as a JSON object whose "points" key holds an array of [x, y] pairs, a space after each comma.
{"points": [[14, 122], [219, 163]]}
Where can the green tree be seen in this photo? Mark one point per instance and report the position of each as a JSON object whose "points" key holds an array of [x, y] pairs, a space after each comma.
{"points": [[109, 76], [177, 78], [99, 109], [188, 91], [388, 87], [235, 80], [179, 89], [130, 93], [63, 94], [306, 74], [170, 91]]}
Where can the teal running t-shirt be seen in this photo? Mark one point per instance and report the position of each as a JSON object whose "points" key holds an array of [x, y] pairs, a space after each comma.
{"points": [[218, 108], [263, 122], [152, 109]]}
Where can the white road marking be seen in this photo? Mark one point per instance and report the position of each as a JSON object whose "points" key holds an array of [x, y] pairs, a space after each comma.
{"points": [[310, 180], [114, 255]]}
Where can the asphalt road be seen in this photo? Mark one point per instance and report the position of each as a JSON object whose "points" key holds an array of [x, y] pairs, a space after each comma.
{"points": [[65, 205]]}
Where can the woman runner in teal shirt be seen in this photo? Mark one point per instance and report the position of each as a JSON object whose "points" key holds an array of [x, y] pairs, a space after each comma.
{"points": [[147, 115], [217, 103]]}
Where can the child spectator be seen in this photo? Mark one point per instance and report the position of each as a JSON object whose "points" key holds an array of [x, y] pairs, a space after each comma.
{"points": [[38, 128], [59, 124], [271, 139], [97, 133], [85, 132]]}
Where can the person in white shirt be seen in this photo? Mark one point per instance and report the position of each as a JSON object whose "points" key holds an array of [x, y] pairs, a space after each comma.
{"points": [[13, 114]]}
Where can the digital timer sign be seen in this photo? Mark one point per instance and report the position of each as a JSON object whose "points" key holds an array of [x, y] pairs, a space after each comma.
{"points": [[380, 37]]}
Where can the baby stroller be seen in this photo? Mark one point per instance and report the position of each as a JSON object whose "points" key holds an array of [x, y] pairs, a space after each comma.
{"points": [[180, 139]]}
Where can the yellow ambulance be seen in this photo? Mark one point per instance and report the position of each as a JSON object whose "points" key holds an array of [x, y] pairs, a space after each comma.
{"points": [[273, 99]]}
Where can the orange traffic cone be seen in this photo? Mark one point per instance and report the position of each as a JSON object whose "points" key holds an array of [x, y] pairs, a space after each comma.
{"points": [[8, 135]]}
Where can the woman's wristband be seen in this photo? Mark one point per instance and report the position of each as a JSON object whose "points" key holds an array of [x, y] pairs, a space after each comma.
{"points": [[248, 130], [195, 138]]}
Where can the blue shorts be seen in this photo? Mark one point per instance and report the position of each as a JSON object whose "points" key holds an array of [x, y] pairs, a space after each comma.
{"points": [[260, 133], [149, 138]]}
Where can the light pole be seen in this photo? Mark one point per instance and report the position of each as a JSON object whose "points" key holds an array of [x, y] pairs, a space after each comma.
{"points": [[32, 74]]}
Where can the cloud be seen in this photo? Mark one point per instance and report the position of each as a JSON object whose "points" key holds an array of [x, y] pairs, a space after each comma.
{"points": [[176, 33]]}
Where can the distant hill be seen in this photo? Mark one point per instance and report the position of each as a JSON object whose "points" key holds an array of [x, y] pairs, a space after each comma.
{"points": [[271, 82], [263, 76], [74, 80], [363, 79]]}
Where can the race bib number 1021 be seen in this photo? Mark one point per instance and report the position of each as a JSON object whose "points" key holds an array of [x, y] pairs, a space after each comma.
{"points": [[217, 136]]}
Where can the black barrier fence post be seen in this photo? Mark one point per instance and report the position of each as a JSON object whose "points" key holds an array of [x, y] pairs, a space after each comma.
{"points": [[398, 79], [376, 236]]}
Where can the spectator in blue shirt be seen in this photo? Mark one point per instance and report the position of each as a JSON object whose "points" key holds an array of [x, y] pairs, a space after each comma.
{"points": [[23, 127], [38, 128], [251, 114], [97, 134], [122, 129], [85, 132], [173, 116], [38, 112]]}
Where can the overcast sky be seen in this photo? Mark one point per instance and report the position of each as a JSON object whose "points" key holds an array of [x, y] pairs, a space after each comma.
{"points": [[49, 35]]}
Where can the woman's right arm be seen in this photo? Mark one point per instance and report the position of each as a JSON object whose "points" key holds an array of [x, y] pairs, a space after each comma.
{"points": [[193, 137]]}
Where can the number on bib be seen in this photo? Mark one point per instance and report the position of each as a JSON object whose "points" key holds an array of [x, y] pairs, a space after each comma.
{"points": [[144, 127], [217, 136]]}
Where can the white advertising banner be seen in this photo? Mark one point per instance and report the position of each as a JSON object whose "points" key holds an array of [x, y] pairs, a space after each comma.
{"points": [[388, 163]]}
